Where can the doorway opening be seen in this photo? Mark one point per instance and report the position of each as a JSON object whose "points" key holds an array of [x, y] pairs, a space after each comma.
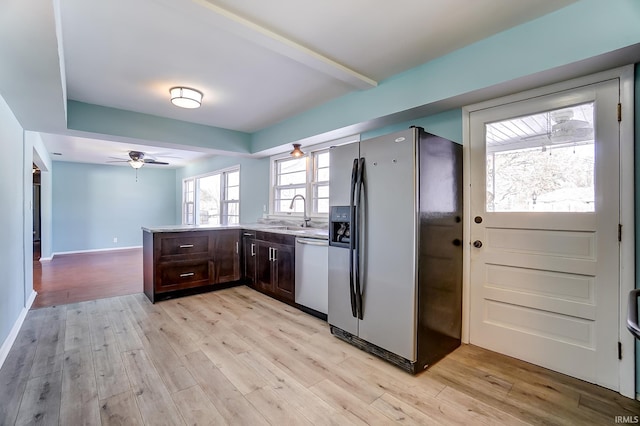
{"points": [[37, 214]]}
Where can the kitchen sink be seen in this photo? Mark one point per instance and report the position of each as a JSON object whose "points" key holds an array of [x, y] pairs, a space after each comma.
{"points": [[301, 230]]}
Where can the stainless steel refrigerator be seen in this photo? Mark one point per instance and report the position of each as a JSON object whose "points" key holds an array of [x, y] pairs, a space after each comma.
{"points": [[395, 246]]}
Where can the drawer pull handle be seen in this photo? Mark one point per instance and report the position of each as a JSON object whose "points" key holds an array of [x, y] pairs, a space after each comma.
{"points": [[237, 247], [253, 249], [188, 274], [186, 245]]}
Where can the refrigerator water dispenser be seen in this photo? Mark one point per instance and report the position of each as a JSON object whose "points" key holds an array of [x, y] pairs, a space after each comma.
{"points": [[340, 226]]}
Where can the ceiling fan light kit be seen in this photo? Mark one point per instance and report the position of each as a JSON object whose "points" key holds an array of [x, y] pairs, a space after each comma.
{"points": [[137, 160], [136, 164], [185, 97]]}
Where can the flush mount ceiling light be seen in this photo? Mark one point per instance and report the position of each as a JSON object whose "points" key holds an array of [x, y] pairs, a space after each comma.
{"points": [[185, 97], [297, 152]]}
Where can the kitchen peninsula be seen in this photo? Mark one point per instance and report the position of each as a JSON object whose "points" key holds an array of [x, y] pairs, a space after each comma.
{"points": [[185, 259]]}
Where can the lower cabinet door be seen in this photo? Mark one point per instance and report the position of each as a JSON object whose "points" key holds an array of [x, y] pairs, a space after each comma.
{"points": [[179, 275], [283, 271], [249, 255], [264, 264], [226, 255]]}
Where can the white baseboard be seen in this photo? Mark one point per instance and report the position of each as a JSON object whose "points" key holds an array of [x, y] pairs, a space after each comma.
{"points": [[13, 334], [32, 298], [88, 251]]}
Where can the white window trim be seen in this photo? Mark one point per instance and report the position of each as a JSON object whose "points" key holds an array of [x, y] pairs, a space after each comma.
{"points": [[196, 187], [308, 150]]}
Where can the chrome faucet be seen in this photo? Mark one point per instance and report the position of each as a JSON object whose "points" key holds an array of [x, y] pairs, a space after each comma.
{"points": [[304, 204]]}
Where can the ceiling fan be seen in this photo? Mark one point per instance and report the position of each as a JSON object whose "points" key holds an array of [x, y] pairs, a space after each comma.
{"points": [[565, 128], [137, 160]]}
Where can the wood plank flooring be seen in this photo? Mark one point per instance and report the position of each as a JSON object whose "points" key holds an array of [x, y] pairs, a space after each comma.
{"points": [[238, 357], [79, 277]]}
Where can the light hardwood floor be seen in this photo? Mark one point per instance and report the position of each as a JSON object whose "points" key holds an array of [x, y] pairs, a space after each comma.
{"points": [[238, 357]]}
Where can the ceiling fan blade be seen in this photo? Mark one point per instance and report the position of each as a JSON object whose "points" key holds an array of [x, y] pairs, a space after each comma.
{"points": [[118, 161], [150, 161]]}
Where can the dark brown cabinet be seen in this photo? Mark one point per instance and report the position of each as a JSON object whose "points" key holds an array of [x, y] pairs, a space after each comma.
{"points": [[271, 263], [185, 262], [172, 276], [226, 255], [189, 260], [249, 258], [283, 271]]}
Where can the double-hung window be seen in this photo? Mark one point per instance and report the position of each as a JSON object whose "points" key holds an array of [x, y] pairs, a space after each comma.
{"points": [[212, 199], [307, 176]]}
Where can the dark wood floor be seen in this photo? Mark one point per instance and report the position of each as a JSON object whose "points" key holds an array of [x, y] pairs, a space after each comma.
{"points": [[72, 278]]}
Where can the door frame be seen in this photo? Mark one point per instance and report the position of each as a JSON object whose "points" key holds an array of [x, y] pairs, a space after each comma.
{"points": [[627, 376]]}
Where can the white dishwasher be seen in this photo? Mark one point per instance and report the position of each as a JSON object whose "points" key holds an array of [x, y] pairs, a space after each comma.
{"points": [[312, 273]]}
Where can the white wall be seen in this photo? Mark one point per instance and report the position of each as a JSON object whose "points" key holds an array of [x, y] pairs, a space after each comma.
{"points": [[14, 287]]}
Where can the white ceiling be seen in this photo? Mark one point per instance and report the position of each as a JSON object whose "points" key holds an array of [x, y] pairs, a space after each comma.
{"points": [[257, 62], [97, 151]]}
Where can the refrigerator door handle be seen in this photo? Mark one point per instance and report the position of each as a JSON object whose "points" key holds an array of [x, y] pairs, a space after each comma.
{"points": [[360, 210], [352, 226]]}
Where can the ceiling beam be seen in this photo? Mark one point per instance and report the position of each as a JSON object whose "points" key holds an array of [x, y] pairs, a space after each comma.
{"points": [[277, 43]]}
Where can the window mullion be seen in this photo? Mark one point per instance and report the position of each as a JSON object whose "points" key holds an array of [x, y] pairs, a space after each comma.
{"points": [[223, 198], [196, 202], [309, 188]]}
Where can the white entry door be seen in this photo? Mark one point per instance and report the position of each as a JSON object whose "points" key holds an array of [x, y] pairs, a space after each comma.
{"points": [[545, 204]]}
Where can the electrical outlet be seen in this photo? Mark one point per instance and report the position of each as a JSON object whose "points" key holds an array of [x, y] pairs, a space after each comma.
{"points": [[115, 239], [264, 208]]}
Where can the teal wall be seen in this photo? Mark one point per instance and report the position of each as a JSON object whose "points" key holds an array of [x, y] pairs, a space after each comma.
{"points": [[13, 285], [446, 124], [93, 203], [117, 122], [254, 183]]}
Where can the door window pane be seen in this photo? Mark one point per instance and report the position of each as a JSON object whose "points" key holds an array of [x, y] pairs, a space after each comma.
{"points": [[542, 162]]}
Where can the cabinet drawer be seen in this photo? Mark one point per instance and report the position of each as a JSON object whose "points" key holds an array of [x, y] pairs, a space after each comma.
{"points": [[179, 275], [184, 247]]}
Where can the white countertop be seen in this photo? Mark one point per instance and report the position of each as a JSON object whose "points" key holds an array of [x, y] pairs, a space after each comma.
{"points": [[278, 229]]}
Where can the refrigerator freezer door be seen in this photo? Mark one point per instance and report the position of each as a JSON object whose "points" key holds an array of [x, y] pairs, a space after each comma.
{"points": [[339, 297], [340, 312], [388, 254], [340, 173]]}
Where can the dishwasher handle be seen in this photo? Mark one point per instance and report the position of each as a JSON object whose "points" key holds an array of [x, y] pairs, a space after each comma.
{"points": [[312, 241]]}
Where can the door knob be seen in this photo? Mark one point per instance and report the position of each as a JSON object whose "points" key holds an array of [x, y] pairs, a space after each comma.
{"points": [[477, 243]]}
